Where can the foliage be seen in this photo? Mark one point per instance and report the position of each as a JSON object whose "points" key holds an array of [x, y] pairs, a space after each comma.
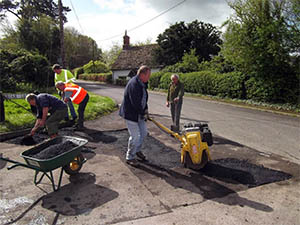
{"points": [[122, 81], [40, 35], [95, 67], [24, 67], [31, 9], [77, 71], [180, 38], [188, 64], [204, 82], [102, 77], [110, 56], [155, 79], [218, 64], [79, 49], [256, 42]]}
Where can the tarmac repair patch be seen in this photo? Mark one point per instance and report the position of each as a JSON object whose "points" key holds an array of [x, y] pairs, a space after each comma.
{"points": [[233, 169], [163, 157]]}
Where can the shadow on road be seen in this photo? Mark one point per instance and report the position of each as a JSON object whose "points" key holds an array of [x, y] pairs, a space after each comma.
{"points": [[209, 189], [82, 195]]}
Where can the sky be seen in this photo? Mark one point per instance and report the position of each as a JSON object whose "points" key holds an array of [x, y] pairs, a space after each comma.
{"points": [[106, 20]]}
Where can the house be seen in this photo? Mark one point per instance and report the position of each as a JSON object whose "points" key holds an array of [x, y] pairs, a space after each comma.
{"points": [[131, 58]]}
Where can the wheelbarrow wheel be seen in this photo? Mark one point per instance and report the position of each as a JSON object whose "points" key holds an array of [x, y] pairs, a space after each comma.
{"points": [[188, 163], [74, 166]]}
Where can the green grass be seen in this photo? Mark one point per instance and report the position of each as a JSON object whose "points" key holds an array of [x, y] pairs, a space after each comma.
{"points": [[17, 117]]}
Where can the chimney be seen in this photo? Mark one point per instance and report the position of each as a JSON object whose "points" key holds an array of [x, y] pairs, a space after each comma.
{"points": [[125, 41]]}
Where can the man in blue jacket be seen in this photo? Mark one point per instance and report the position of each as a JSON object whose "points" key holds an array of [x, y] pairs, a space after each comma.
{"points": [[134, 110]]}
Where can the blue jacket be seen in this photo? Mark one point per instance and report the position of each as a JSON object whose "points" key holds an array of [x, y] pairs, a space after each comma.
{"points": [[131, 106]]}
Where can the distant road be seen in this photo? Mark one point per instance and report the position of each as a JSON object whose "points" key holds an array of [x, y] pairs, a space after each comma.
{"points": [[264, 131]]}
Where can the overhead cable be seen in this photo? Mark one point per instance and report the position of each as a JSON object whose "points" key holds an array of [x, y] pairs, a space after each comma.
{"points": [[148, 21]]}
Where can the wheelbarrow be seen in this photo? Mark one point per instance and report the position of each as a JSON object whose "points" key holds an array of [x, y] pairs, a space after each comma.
{"points": [[70, 160]]}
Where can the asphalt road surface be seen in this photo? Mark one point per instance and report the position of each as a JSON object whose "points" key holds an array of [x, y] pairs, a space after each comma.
{"points": [[266, 132]]}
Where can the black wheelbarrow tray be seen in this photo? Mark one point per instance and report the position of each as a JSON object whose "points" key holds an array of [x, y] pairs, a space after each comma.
{"points": [[70, 160]]}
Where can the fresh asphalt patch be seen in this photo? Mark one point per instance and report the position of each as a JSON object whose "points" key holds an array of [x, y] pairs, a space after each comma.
{"points": [[233, 167]]}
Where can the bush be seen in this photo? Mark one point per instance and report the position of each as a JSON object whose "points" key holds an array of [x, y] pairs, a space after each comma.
{"points": [[122, 81], [206, 83], [155, 79], [77, 71], [102, 77], [165, 81], [24, 67], [95, 67]]}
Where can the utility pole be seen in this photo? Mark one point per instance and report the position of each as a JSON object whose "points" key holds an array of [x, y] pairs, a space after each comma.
{"points": [[61, 34]]}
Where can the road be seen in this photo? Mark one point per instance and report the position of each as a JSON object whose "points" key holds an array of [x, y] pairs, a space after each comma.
{"points": [[266, 132], [244, 183]]}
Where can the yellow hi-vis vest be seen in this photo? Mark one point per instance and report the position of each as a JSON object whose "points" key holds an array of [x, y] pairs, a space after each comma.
{"points": [[78, 93]]}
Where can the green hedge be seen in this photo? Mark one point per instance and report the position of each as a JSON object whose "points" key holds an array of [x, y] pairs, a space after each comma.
{"points": [[102, 77], [233, 85], [95, 67], [204, 82]]}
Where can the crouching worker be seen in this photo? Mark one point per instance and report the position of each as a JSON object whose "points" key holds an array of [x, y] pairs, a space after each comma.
{"points": [[46, 103], [77, 95]]}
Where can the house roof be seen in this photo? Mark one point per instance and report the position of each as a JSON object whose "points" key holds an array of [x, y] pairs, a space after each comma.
{"points": [[135, 56]]}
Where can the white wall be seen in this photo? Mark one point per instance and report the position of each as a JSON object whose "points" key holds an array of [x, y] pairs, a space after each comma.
{"points": [[123, 73], [119, 73]]}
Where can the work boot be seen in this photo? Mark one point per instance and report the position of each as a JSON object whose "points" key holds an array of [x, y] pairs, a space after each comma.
{"points": [[132, 162], [78, 127], [141, 156]]}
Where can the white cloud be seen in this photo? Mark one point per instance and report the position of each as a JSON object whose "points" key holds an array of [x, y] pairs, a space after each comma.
{"points": [[104, 19]]}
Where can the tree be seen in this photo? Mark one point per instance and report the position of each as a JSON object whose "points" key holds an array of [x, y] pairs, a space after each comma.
{"points": [[31, 9], [110, 56], [259, 43], [40, 35], [181, 38], [79, 49]]}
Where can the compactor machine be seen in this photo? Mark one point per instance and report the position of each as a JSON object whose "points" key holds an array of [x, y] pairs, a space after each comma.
{"points": [[195, 140]]}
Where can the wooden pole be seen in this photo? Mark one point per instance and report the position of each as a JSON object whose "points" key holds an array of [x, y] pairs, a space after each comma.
{"points": [[2, 110], [61, 34]]}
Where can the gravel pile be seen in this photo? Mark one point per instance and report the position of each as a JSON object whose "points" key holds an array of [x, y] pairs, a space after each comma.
{"points": [[54, 150]]}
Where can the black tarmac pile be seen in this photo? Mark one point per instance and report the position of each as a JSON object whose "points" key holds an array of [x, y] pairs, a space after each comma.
{"points": [[54, 150]]}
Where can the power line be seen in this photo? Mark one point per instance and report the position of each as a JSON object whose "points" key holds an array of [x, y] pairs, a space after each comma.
{"points": [[76, 16], [148, 21]]}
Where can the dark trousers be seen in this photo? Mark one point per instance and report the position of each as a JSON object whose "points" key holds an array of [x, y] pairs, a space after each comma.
{"points": [[175, 112], [81, 109]]}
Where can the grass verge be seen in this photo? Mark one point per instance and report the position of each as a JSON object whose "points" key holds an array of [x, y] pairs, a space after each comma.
{"points": [[17, 117]]}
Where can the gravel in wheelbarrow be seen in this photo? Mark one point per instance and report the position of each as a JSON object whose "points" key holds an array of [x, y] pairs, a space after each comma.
{"points": [[54, 150], [54, 153]]}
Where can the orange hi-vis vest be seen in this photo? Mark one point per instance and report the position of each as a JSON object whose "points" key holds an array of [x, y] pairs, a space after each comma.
{"points": [[78, 93]]}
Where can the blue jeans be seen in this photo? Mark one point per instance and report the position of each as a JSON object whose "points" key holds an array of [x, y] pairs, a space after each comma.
{"points": [[71, 108], [137, 132]]}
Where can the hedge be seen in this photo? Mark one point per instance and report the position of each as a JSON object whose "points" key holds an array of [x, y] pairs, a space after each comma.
{"points": [[102, 77], [204, 82]]}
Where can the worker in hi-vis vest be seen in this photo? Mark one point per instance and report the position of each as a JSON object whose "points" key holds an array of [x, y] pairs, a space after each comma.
{"points": [[67, 77], [76, 94]]}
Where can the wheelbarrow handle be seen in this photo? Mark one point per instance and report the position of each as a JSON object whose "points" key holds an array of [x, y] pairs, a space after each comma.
{"points": [[17, 164], [13, 166], [11, 161]]}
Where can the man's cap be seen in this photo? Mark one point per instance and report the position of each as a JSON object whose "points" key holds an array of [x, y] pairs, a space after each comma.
{"points": [[56, 66]]}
